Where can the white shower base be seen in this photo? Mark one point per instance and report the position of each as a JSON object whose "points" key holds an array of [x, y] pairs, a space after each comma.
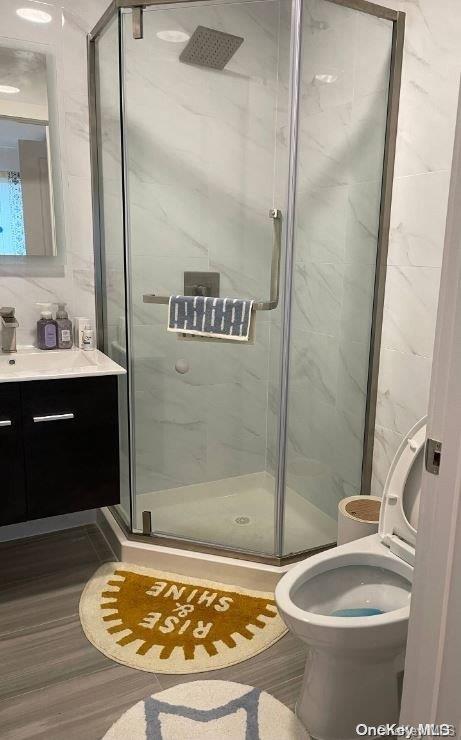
{"points": [[236, 513]]}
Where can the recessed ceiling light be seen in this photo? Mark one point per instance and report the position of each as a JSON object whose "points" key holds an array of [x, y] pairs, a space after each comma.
{"points": [[326, 79], [174, 37], [34, 15], [9, 89]]}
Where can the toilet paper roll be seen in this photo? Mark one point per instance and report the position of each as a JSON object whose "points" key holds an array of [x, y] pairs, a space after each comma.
{"points": [[358, 516]]}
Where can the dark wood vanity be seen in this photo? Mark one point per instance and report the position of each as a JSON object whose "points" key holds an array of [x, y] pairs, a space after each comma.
{"points": [[59, 447]]}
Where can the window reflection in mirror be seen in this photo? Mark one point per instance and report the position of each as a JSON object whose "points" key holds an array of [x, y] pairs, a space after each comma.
{"points": [[26, 193]]}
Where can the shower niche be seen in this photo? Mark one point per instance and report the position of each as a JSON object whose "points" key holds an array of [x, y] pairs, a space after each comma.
{"points": [[215, 115]]}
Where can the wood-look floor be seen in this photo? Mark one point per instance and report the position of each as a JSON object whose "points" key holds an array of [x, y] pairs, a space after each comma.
{"points": [[53, 683]]}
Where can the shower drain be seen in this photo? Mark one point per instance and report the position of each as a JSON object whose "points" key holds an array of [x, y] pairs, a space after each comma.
{"points": [[242, 520]]}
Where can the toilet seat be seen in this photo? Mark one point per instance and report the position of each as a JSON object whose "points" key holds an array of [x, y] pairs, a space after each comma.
{"points": [[393, 548], [398, 519], [361, 630]]}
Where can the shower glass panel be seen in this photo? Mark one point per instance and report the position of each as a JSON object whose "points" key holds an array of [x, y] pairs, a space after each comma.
{"points": [[108, 185], [203, 170], [215, 115], [344, 84]]}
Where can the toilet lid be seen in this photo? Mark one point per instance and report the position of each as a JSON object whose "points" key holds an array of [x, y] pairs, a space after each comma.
{"points": [[402, 490]]}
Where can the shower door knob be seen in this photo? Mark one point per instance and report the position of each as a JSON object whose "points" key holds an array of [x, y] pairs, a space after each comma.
{"points": [[201, 290]]}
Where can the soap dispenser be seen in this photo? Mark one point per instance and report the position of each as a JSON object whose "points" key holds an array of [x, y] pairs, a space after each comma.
{"points": [[64, 327], [47, 329]]}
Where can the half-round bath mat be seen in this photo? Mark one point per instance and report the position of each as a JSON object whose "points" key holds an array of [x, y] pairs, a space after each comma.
{"points": [[167, 623], [207, 710]]}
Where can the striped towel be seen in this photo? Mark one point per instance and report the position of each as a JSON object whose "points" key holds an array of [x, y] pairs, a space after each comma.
{"points": [[223, 318]]}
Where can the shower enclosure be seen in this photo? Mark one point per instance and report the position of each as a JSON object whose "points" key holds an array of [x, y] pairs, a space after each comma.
{"points": [[244, 149]]}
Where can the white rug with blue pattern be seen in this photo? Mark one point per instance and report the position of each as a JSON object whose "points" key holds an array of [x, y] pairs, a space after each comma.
{"points": [[208, 710]]}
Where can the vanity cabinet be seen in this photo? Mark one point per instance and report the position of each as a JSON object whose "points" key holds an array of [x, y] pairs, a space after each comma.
{"points": [[12, 477], [63, 447]]}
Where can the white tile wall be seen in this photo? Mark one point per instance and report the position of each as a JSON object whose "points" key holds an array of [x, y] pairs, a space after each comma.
{"points": [[71, 277], [431, 69]]}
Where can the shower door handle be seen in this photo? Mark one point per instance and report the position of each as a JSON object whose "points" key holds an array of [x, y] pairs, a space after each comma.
{"points": [[276, 215]]}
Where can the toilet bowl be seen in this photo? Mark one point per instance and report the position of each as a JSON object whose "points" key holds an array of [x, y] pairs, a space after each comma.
{"points": [[351, 605]]}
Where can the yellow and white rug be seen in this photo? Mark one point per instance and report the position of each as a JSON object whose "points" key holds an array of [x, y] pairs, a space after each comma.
{"points": [[208, 710], [167, 623]]}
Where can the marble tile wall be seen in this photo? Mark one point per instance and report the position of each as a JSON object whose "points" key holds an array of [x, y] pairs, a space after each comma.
{"points": [[70, 277], [431, 70]]}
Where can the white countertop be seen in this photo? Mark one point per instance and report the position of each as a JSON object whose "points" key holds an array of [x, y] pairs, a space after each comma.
{"points": [[30, 363]]}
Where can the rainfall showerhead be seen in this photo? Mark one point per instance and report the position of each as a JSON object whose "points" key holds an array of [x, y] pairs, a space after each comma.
{"points": [[210, 48]]}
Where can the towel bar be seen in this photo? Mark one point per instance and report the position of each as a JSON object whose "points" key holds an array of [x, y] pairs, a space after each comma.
{"points": [[276, 215]]}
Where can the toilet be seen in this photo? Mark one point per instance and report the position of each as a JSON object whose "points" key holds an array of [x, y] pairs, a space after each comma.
{"points": [[351, 606]]}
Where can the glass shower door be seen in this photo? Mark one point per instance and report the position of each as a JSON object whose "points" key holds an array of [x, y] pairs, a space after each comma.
{"points": [[345, 69], [205, 161]]}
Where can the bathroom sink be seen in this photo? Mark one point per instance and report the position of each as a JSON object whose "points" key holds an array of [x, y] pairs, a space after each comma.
{"points": [[34, 364]]}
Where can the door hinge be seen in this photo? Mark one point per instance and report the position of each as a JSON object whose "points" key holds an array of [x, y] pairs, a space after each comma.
{"points": [[138, 25], [433, 456], [147, 522]]}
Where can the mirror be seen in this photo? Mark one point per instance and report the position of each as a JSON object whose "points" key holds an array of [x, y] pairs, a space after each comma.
{"points": [[27, 223]]}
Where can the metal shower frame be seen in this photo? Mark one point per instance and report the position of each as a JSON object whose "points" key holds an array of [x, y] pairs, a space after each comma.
{"points": [[365, 6]]}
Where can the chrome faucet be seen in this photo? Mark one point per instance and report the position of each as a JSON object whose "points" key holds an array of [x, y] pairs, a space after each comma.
{"points": [[9, 326]]}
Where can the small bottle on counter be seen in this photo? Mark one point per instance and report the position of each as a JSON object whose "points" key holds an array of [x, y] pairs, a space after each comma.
{"points": [[47, 329], [80, 322], [64, 325], [88, 338]]}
